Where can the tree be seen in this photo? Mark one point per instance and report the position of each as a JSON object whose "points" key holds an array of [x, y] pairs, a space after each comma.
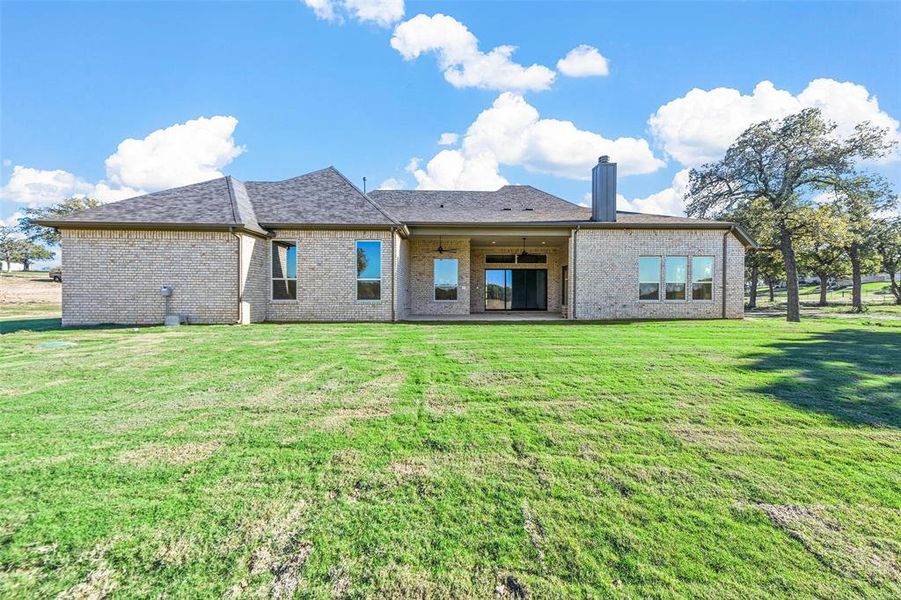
{"points": [[9, 239], [48, 235], [822, 248], [782, 163], [860, 198], [772, 270], [26, 252], [888, 247]]}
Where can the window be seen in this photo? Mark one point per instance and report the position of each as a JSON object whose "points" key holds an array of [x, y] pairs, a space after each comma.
{"points": [[676, 276], [702, 278], [565, 290], [369, 270], [531, 258], [500, 258], [284, 270], [649, 278], [445, 279]]}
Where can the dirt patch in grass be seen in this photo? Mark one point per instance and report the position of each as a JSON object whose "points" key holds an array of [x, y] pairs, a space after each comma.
{"points": [[274, 531], [99, 581], [534, 529], [170, 455], [823, 532], [410, 469], [370, 400], [341, 417], [29, 288], [718, 439], [440, 400]]}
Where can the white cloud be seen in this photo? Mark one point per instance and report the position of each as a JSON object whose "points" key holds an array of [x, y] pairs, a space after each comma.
{"points": [[448, 139], [511, 132], [459, 57], [701, 125], [323, 9], [182, 154], [36, 187], [454, 170], [669, 201], [584, 61], [392, 183], [380, 12], [12, 220]]}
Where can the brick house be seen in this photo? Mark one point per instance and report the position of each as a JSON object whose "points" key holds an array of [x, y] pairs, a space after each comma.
{"points": [[316, 248]]}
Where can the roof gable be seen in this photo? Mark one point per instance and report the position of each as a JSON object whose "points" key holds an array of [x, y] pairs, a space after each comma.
{"points": [[322, 197]]}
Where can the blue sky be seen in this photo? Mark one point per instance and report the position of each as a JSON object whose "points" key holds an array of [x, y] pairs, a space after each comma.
{"points": [[302, 92]]}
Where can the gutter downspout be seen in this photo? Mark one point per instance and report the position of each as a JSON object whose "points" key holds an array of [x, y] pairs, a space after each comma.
{"points": [[575, 270], [231, 230], [725, 238]]}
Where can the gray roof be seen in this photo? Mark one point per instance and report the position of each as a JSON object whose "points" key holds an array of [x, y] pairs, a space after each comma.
{"points": [[509, 204], [323, 197], [326, 198], [206, 203]]}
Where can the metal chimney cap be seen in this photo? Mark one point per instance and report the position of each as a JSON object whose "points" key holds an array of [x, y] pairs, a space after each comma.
{"points": [[603, 159]]}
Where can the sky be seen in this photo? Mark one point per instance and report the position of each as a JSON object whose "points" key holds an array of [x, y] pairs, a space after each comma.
{"points": [[115, 99]]}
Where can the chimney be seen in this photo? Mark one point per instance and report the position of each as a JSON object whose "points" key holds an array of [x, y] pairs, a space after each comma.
{"points": [[603, 191]]}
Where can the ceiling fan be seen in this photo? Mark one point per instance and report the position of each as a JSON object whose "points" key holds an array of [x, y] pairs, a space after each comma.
{"points": [[523, 253], [441, 249]]}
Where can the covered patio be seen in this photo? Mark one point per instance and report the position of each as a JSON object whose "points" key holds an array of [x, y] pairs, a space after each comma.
{"points": [[486, 274]]}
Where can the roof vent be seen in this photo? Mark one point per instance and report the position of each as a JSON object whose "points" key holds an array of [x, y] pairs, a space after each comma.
{"points": [[440, 206], [528, 209], [506, 209]]}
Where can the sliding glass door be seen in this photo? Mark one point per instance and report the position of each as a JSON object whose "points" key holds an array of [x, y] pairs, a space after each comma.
{"points": [[498, 288], [515, 289]]}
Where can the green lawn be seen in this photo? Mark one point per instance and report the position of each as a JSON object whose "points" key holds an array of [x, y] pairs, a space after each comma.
{"points": [[874, 293], [704, 459]]}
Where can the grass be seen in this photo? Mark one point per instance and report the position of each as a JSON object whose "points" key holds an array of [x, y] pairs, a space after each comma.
{"points": [[704, 459], [874, 294]]}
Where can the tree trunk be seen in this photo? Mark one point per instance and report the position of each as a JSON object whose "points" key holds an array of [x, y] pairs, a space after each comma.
{"points": [[824, 288], [896, 289], [854, 255], [771, 285], [793, 304], [25, 264], [755, 275]]}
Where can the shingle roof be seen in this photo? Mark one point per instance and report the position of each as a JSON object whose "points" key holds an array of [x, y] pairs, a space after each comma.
{"points": [[326, 198], [242, 206], [509, 204], [206, 203], [317, 198]]}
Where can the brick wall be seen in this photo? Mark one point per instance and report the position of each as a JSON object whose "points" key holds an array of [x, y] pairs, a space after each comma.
{"points": [[555, 260], [402, 301], [607, 273], [422, 280], [255, 278], [327, 277], [115, 276]]}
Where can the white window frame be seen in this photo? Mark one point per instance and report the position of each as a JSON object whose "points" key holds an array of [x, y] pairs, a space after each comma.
{"points": [[661, 292], [272, 277], [435, 285], [357, 278], [687, 278], [691, 277]]}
